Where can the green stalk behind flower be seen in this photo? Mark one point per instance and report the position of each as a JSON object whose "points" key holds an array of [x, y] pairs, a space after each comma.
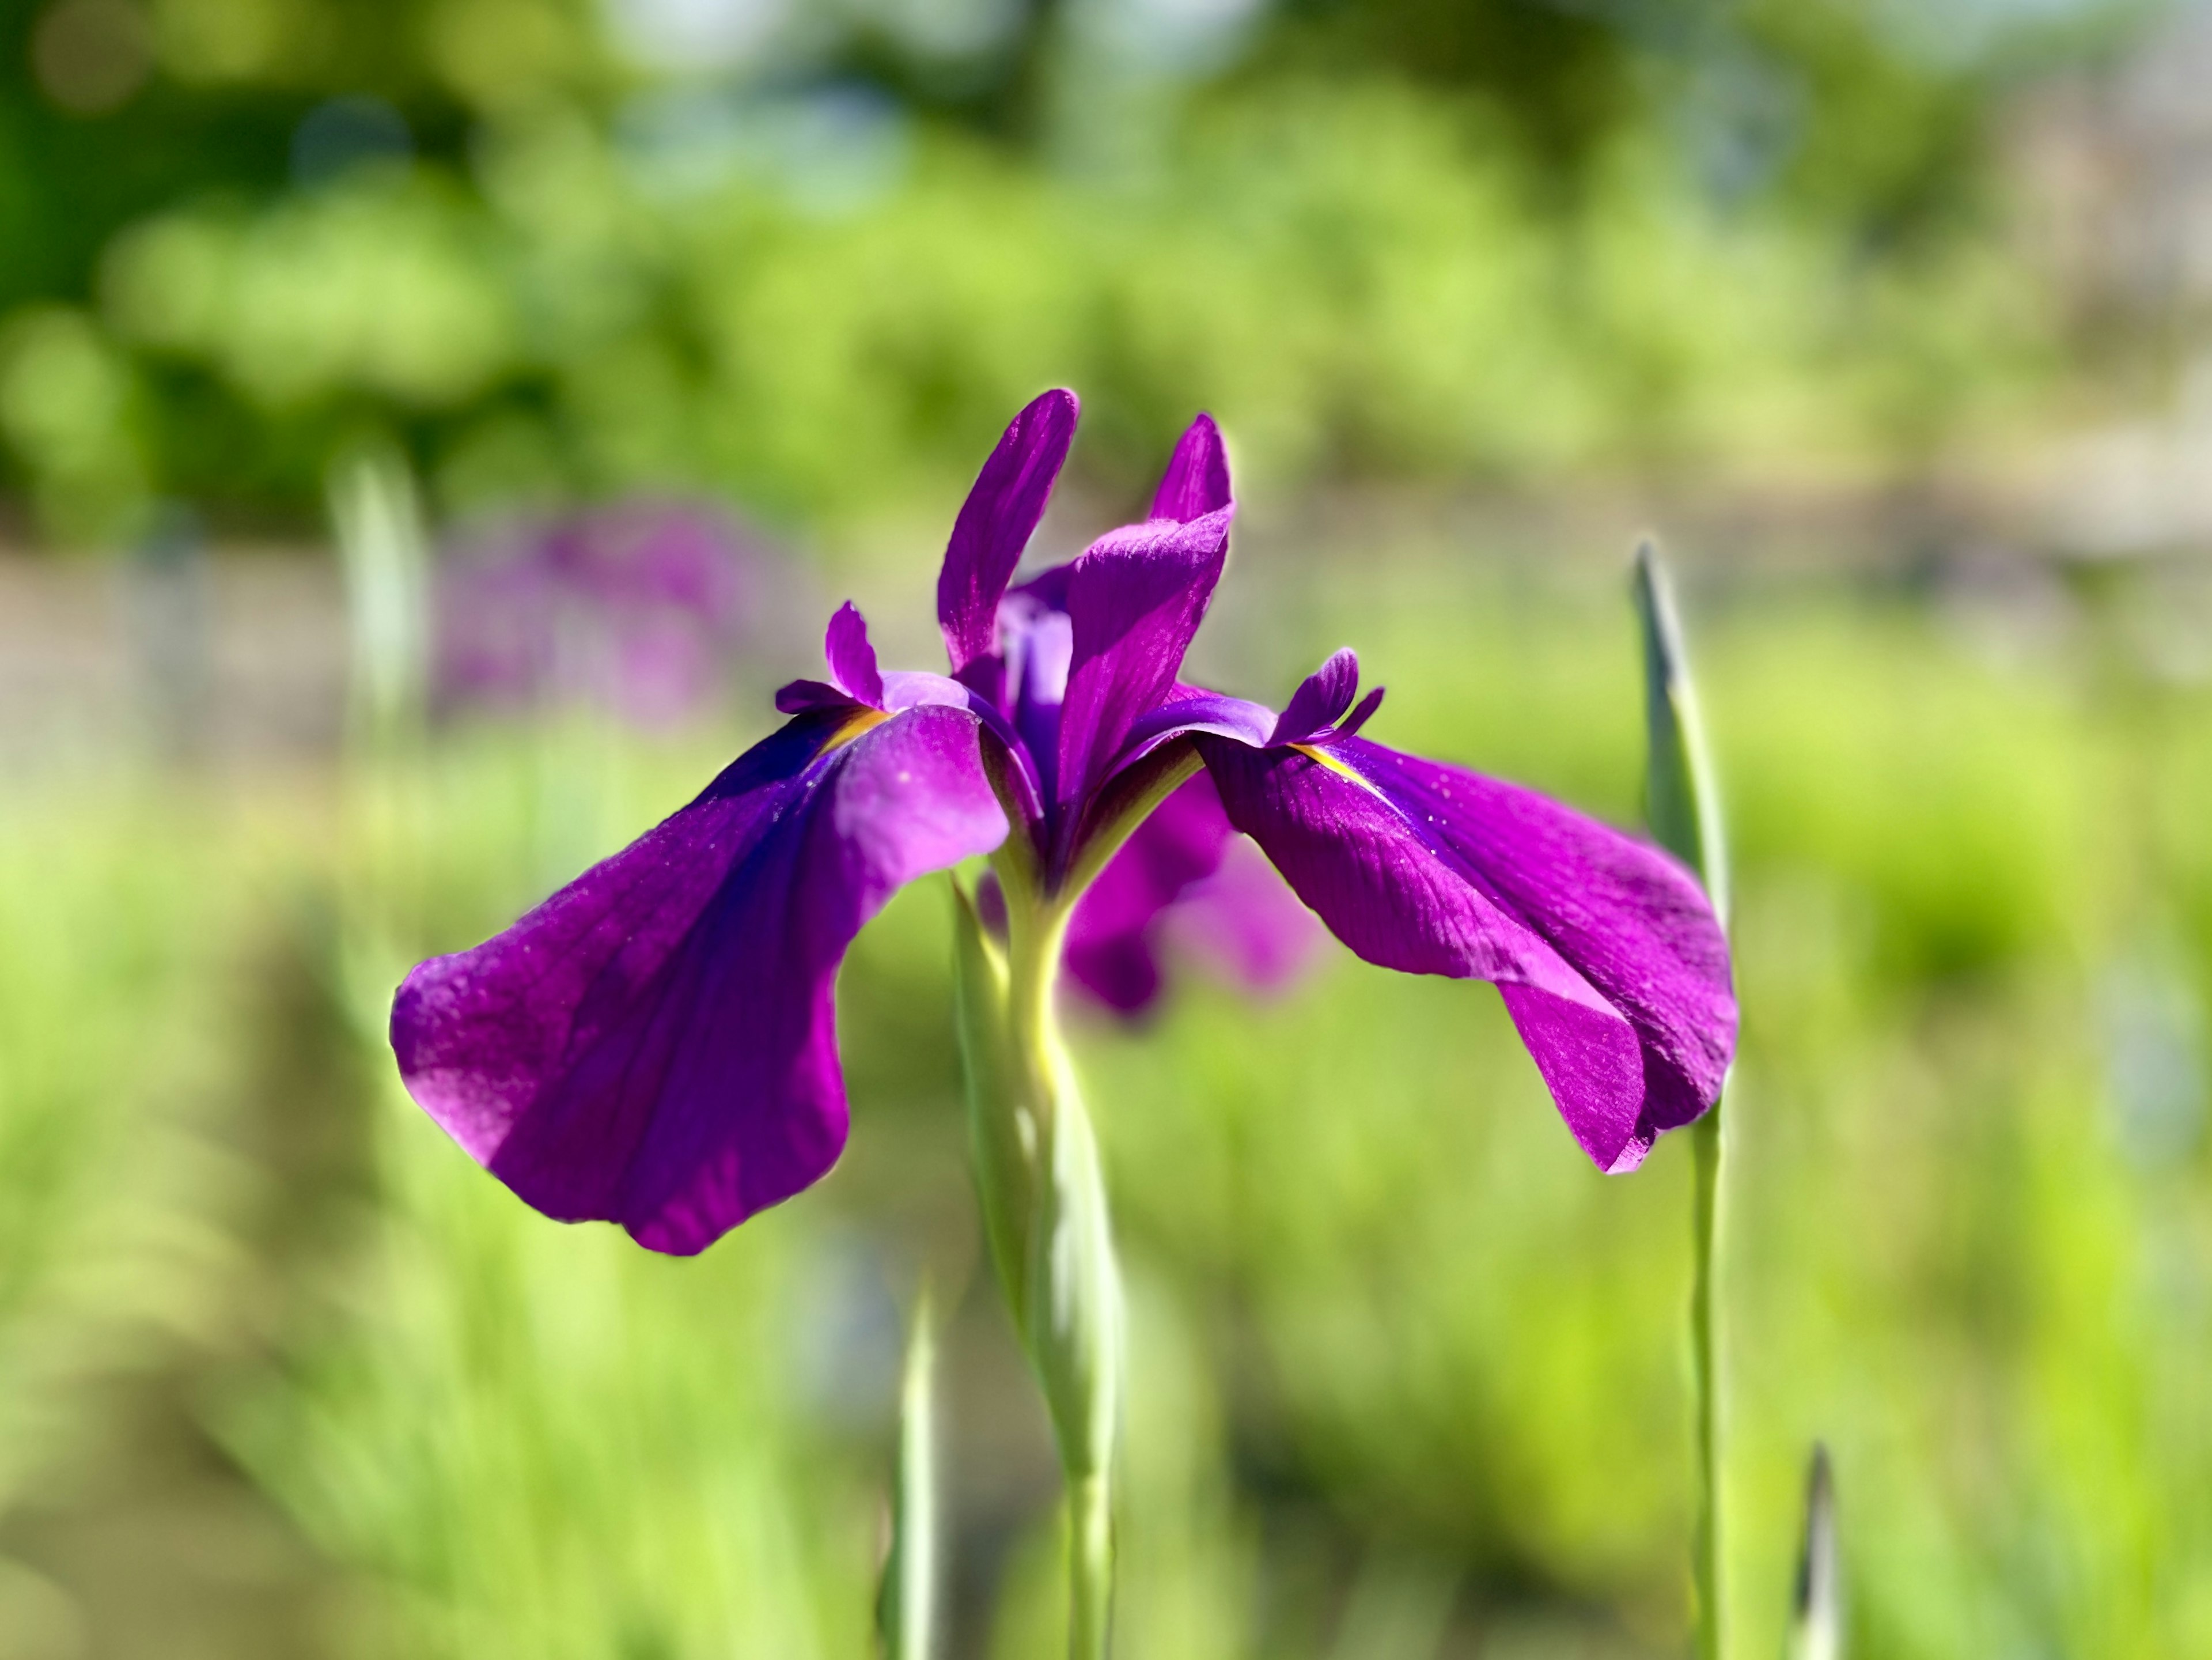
{"points": [[906, 1606], [1684, 809]]}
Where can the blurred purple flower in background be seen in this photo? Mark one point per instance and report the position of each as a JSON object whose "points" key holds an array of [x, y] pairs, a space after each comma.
{"points": [[637, 608]]}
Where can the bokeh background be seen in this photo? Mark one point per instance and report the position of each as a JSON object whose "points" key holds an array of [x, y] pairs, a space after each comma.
{"points": [[658, 326]]}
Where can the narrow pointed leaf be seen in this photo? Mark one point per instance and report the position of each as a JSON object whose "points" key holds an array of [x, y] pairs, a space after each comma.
{"points": [[1816, 1622], [1684, 804], [906, 1608]]}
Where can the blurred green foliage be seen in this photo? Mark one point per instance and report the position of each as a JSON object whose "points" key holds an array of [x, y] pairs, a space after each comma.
{"points": [[1506, 240], [1410, 1377]]}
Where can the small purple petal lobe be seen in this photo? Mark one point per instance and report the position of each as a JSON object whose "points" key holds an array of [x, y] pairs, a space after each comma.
{"points": [[1321, 698], [801, 697], [655, 1045], [995, 524], [1193, 709], [1349, 726], [852, 659], [1608, 954], [1196, 482]]}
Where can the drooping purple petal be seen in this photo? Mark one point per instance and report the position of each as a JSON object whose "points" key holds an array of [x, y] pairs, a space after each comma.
{"points": [[908, 689], [1606, 952], [852, 659], [655, 1044], [1134, 598], [1196, 482], [1321, 698], [995, 524]]}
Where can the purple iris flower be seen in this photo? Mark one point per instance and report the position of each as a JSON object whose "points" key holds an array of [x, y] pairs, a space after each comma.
{"points": [[656, 1044], [637, 607]]}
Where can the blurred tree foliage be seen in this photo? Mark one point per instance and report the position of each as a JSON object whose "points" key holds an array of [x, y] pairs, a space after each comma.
{"points": [[811, 254]]}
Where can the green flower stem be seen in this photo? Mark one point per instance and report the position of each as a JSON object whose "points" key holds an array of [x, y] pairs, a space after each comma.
{"points": [[1704, 1359], [1683, 806], [1044, 1204], [1074, 1320], [1091, 1566], [1039, 1180]]}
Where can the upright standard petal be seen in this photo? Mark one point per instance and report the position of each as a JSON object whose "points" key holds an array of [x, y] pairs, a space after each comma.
{"points": [[1320, 700], [1605, 950], [852, 658], [655, 1045], [1196, 482], [995, 524], [1135, 598]]}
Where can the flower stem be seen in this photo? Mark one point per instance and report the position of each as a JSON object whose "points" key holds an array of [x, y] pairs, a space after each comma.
{"points": [[1043, 1195], [1683, 806], [1704, 1359], [1090, 1567]]}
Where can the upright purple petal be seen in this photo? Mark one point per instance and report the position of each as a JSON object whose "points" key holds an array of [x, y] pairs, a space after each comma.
{"points": [[1320, 700], [995, 524], [852, 659], [655, 1045], [1135, 598], [1349, 726], [1196, 482], [1605, 950]]}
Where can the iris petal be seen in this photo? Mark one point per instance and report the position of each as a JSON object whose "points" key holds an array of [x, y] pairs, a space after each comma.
{"points": [[655, 1045], [1608, 957], [1135, 598], [995, 524], [1196, 482], [1320, 700], [852, 659]]}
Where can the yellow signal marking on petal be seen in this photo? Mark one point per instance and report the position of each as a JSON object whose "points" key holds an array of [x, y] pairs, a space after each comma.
{"points": [[1313, 753], [1343, 771], [860, 722]]}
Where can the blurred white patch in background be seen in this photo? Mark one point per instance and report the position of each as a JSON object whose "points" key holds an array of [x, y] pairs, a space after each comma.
{"points": [[698, 37], [940, 29], [830, 150], [1958, 33], [1175, 39], [1116, 67]]}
